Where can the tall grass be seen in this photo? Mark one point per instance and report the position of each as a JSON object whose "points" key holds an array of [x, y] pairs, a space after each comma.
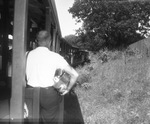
{"points": [[115, 92]]}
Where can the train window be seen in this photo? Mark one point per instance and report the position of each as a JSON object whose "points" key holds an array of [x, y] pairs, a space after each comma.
{"points": [[0, 57], [52, 30], [36, 21], [0, 43], [6, 31]]}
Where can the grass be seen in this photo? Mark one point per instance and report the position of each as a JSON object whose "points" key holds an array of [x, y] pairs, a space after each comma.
{"points": [[116, 92]]}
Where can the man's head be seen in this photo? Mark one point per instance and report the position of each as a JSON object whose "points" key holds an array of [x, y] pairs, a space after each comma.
{"points": [[44, 38]]}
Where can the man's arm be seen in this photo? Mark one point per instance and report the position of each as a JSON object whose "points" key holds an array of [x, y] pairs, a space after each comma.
{"points": [[73, 77]]}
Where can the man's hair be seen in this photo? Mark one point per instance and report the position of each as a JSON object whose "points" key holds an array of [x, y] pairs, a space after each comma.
{"points": [[43, 36]]}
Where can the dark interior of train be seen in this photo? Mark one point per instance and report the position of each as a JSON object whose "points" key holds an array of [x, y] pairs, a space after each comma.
{"points": [[36, 21]]}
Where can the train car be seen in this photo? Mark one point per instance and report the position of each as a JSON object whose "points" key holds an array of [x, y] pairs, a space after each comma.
{"points": [[74, 55], [66, 50], [20, 20]]}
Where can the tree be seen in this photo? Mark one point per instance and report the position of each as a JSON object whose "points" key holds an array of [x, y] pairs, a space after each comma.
{"points": [[75, 41], [111, 22], [72, 40]]}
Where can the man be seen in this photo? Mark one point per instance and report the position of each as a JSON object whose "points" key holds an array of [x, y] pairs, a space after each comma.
{"points": [[40, 70]]}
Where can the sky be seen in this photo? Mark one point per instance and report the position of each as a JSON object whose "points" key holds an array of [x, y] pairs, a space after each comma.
{"points": [[67, 23]]}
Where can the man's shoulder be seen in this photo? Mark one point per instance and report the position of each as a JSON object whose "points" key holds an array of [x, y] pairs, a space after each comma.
{"points": [[56, 54]]}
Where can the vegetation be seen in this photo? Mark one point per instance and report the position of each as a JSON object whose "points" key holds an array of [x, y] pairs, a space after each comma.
{"points": [[72, 39], [111, 23], [114, 88], [115, 92]]}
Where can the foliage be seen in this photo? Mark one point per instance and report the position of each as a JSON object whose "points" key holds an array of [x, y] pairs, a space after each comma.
{"points": [[71, 39], [84, 75], [110, 22]]}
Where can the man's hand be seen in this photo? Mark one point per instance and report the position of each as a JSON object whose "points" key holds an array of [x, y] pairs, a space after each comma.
{"points": [[26, 111], [63, 89], [64, 92]]}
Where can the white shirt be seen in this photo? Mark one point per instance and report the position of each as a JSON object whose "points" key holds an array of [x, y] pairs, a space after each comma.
{"points": [[41, 66]]}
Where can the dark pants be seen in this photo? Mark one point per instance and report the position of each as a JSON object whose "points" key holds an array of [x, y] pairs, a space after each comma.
{"points": [[49, 105]]}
